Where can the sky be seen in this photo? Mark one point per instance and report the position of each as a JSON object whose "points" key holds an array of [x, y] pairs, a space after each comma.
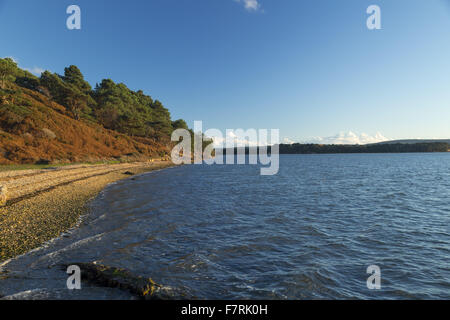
{"points": [[309, 68]]}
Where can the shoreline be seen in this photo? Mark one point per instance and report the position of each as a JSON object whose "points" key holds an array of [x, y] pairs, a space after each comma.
{"points": [[43, 204]]}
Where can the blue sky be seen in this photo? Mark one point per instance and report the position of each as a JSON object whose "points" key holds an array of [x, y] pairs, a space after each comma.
{"points": [[309, 68]]}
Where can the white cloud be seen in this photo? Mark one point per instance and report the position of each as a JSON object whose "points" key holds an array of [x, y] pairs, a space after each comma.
{"points": [[36, 70], [348, 138], [288, 141], [250, 5], [220, 141], [14, 59]]}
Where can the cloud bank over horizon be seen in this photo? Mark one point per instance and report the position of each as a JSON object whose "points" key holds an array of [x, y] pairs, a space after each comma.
{"points": [[338, 139], [348, 138]]}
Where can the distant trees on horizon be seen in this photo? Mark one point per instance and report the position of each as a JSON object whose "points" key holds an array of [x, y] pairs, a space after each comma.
{"points": [[298, 148]]}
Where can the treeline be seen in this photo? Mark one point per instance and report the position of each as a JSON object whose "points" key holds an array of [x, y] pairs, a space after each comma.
{"points": [[298, 148], [113, 105]]}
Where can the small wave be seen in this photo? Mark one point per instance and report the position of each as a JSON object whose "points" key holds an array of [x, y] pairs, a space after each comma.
{"points": [[79, 243]]}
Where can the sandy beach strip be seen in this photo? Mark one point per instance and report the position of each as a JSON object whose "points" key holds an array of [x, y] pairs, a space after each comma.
{"points": [[42, 204]]}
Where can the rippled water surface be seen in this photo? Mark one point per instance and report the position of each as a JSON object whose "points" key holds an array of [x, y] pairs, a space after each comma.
{"points": [[225, 232]]}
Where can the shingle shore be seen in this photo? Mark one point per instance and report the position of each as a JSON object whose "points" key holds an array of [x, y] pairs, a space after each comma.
{"points": [[54, 201]]}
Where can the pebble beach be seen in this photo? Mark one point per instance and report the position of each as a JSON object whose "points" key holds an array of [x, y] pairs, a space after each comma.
{"points": [[42, 204]]}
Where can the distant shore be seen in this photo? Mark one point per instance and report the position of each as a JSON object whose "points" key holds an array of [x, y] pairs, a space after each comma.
{"points": [[43, 203], [387, 147]]}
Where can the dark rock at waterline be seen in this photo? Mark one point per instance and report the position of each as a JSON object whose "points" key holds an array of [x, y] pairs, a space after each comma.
{"points": [[119, 278], [43, 162], [129, 173]]}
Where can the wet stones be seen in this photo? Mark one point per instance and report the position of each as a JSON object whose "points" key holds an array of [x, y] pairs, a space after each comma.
{"points": [[105, 276]]}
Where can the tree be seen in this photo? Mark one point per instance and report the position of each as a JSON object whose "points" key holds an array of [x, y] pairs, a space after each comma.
{"points": [[109, 117], [114, 106], [179, 124], [67, 93], [76, 102], [74, 76], [43, 90], [7, 69], [54, 84], [31, 83]]}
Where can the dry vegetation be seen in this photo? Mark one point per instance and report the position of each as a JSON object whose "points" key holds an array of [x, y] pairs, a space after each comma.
{"points": [[34, 129]]}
